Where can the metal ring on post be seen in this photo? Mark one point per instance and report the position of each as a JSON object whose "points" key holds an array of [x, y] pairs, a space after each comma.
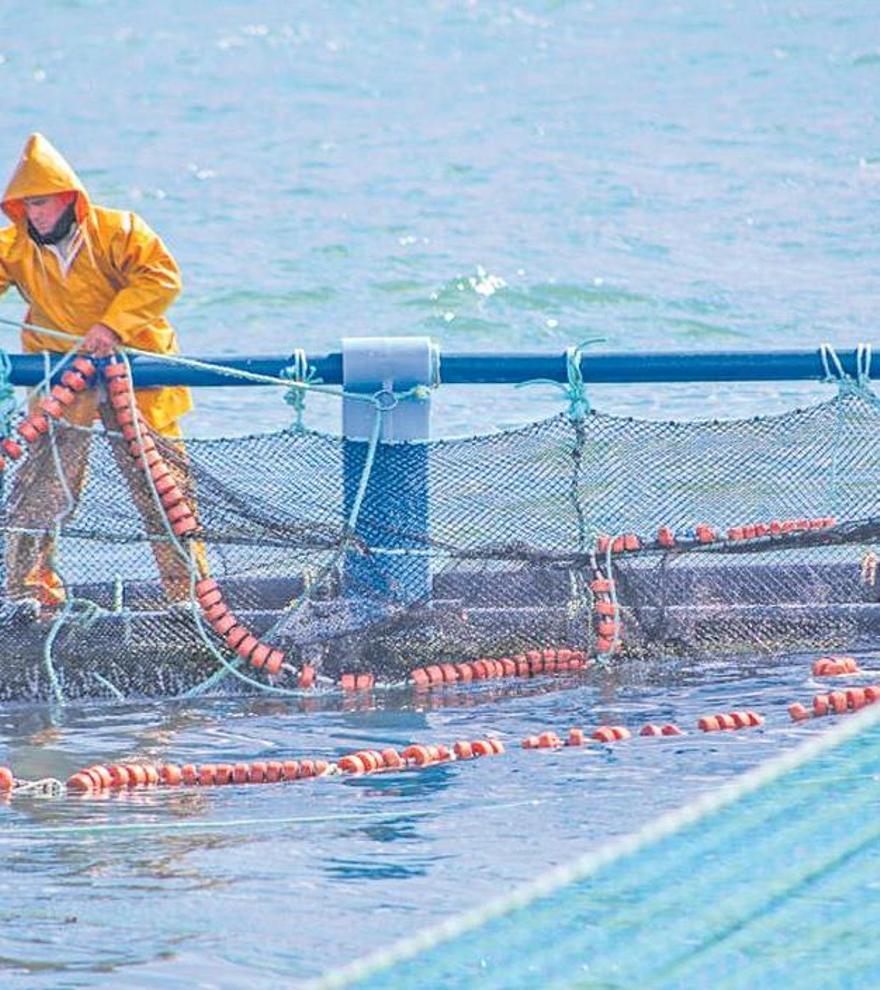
{"points": [[385, 400]]}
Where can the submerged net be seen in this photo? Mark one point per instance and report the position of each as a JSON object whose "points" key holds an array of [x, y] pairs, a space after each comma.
{"points": [[765, 882], [587, 532]]}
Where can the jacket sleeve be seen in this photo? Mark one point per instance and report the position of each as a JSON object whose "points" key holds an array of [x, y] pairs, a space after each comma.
{"points": [[5, 278], [148, 276]]}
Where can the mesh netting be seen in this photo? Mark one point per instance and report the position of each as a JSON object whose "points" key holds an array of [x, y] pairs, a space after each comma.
{"points": [[763, 883], [607, 535]]}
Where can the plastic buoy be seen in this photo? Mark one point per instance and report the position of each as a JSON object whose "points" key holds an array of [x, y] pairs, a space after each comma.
{"points": [[170, 774], [351, 764], [420, 755], [79, 782], [666, 537], [224, 624], [855, 699], [11, 448], [798, 712], [837, 701], [247, 646], [548, 740], [120, 777], [235, 635], [28, 431], [392, 759], [650, 730], [260, 654], [463, 749], [274, 771]]}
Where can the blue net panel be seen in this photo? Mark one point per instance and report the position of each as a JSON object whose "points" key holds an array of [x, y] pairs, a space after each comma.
{"points": [[775, 881]]}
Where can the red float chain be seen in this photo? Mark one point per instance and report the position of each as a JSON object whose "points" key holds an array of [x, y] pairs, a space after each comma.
{"points": [[730, 720], [182, 520], [835, 666], [702, 533], [121, 776], [548, 660]]}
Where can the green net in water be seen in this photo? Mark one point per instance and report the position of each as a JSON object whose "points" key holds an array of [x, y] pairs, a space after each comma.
{"points": [[772, 881]]}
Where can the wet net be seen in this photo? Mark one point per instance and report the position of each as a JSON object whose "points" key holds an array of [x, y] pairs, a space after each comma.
{"points": [[141, 565], [763, 883]]}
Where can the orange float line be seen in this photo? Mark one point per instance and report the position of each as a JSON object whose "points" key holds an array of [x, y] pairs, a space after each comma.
{"points": [[838, 702], [547, 660], [611, 733], [416, 756], [117, 777], [835, 666], [729, 720], [669, 729], [183, 522], [577, 737]]}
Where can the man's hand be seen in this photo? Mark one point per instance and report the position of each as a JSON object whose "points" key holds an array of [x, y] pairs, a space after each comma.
{"points": [[100, 341]]}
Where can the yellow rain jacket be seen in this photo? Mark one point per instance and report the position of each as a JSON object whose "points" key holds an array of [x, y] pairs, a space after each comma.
{"points": [[121, 275]]}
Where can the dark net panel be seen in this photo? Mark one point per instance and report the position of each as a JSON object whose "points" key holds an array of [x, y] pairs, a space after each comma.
{"points": [[351, 560]]}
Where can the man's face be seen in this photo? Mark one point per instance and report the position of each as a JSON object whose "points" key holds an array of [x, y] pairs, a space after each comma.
{"points": [[44, 211]]}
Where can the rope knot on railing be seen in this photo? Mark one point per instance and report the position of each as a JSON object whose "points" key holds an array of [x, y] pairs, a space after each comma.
{"points": [[301, 375], [575, 389], [835, 373]]}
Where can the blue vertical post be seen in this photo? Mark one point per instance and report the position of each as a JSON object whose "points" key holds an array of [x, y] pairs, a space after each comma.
{"points": [[394, 514]]}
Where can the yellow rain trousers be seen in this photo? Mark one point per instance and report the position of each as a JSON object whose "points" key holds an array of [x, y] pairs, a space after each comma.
{"points": [[119, 273]]}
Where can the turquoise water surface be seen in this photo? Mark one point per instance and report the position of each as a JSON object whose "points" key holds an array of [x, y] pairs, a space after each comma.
{"points": [[499, 175]]}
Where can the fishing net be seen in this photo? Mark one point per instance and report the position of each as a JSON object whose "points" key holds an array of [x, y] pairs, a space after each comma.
{"points": [[764, 881], [584, 534]]}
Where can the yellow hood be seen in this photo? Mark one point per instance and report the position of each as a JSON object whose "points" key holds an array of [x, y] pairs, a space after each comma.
{"points": [[41, 171]]}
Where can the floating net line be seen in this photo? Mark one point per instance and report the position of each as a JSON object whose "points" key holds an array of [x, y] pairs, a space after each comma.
{"points": [[771, 877], [281, 560]]}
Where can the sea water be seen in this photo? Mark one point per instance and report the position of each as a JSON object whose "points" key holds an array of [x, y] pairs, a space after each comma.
{"points": [[500, 176]]}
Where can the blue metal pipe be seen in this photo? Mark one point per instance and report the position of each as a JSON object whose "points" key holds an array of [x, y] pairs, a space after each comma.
{"points": [[491, 368]]}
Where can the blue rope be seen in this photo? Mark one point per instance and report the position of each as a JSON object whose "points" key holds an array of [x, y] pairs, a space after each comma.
{"points": [[574, 390], [8, 407], [301, 375]]}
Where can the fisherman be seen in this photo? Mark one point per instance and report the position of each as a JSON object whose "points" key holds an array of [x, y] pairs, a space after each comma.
{"points": [[105, 277]]}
